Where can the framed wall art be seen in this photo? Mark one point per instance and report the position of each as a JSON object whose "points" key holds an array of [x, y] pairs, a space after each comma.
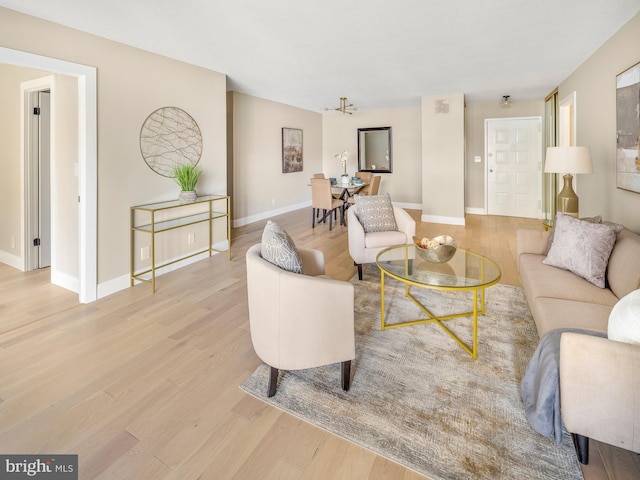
{"points": [[291, 150], [628, 129]]}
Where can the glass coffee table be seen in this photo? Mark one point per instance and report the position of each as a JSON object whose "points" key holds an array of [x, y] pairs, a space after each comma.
{"points": [[465, 271]]}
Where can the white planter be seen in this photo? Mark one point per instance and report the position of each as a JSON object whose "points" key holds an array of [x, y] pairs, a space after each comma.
{"points": [[187, 196]]}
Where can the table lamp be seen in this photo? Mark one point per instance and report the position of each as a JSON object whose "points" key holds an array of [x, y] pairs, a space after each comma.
{"points": [[568, 160]]}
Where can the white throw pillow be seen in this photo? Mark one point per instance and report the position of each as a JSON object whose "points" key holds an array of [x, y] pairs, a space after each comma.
{"points": [[278, 248], [582, 247], [375, 213], [624, 320]]}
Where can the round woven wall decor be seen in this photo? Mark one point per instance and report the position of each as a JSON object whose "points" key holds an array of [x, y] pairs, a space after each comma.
{"points": [[170, 137]]}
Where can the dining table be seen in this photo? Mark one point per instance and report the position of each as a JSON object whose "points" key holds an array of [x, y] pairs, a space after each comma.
{"points": [[348, 189]]}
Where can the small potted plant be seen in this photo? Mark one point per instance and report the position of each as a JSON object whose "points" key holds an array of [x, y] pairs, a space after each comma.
{"points": [[186, 175], [343, 157]]}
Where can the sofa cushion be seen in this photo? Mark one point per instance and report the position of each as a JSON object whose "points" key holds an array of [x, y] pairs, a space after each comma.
{"points": [[582, 248], [552, 313], [544, 281], [375, 213], [624, 321], [278, 248], [623, 274]]}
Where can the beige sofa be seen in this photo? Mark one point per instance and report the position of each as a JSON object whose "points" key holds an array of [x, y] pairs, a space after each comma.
{"points": [[599, 378]]}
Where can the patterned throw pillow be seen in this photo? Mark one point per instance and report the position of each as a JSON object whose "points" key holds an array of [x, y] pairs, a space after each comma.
{"points": [[278, 248], [582, 247], [375, 213]]}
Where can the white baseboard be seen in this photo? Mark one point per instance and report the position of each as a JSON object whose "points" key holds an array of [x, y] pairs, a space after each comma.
{"points": [[445, 220], [124, 281], [65, 281], [410, 206], [239, 222], [11, 260], [475, 211]]}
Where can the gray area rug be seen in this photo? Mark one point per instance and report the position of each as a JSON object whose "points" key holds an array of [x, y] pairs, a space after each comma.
{"points": [[418, 399]]}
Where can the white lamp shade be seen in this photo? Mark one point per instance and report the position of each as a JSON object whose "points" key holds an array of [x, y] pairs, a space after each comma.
{"points": [[568, 160]]}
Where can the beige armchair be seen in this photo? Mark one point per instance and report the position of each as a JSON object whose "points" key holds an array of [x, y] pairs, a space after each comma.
{"points": [[363, 247], [297, 320]]}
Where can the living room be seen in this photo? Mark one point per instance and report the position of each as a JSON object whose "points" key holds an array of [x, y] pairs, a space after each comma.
{"points": [[132, 83], [174, 83]]}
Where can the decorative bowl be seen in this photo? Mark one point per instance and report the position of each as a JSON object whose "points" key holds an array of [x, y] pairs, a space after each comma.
{"points": [[442, 253]]}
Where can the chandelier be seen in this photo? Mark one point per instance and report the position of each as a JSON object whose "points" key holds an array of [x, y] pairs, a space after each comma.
{"points": [[345, 108], [506, 101]]}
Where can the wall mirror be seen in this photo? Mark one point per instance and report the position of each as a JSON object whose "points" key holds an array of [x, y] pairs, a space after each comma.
{"points": [[374, 150]]}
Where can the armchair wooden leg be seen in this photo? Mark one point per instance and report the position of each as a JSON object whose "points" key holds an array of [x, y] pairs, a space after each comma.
{"points": [[582, 447], [359, 265], [346, 375], [313, 217], [273, 382]]}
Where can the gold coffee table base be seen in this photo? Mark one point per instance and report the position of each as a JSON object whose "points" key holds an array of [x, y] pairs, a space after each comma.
{"points": [[471, 350], [466, 270]]}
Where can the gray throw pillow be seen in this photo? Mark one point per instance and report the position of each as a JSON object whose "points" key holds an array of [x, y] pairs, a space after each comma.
{"points": [[582, 248], [596, 219], [375, 213], [278, 248]]}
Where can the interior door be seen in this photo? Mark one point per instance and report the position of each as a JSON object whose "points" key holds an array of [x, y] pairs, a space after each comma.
{"points": [[514, 166], [40, 173]]}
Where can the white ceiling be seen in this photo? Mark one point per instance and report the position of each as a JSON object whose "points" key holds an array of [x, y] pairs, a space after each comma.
{"points": [[378, 53]]}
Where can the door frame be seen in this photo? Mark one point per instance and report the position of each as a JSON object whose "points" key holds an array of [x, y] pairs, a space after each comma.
{"points": [[87, 159], [30, 196], [486, 156]]}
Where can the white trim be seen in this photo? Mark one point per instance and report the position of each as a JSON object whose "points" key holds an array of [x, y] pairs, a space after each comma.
{"points": [[440, 219], [475, 211], [65, 281], [11, 260], [240, 222], [411, 206], [124, 281], [87, 157]]}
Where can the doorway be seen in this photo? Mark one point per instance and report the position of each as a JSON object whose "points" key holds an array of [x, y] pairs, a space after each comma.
{"points": [[87, 158], [514, 166]]}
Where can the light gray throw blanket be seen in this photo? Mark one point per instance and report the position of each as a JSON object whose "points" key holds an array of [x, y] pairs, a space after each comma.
{"points": [[540, 387]]}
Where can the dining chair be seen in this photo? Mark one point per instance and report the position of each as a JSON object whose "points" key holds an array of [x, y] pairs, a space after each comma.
{"points": [[318, 175], [323, 200], [374, 185], [371, 188]]}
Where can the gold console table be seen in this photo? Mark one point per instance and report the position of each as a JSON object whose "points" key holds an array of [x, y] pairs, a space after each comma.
{"points": [[155, 218]]}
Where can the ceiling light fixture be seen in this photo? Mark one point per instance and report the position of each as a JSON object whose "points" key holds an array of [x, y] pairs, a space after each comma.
{"points": [[344, 107], [505, 102]]}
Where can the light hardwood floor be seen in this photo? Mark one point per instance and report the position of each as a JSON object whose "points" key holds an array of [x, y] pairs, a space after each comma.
{"points": [[145, 386]]}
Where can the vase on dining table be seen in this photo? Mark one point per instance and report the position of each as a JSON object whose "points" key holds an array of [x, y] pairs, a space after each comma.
{"points": [[344, 179]]}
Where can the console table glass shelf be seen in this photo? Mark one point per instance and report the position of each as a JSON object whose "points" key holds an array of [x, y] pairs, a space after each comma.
{"points": [[156, 218]]}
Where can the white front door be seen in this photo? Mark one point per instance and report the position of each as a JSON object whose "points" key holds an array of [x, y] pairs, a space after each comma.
{"points": [[514, 166]]}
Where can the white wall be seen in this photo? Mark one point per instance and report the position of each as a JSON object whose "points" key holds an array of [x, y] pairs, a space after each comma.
{"points": [[131, 84], [340, 132], [443, 181], [475, 115], [595, 85], [260, 189]]}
